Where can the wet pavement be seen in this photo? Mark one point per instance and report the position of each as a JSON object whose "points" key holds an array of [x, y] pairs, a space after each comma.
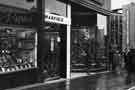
{"points": [[108, 81]]}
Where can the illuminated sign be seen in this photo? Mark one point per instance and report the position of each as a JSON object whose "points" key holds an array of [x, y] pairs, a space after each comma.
{"points": [[56, 19]]}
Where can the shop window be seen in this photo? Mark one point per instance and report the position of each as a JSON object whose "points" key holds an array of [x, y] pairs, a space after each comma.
{"points": [[87, 48], [82, 45], [17, 49]]}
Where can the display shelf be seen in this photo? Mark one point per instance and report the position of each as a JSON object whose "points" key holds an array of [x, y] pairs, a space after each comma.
{"points": [[28, 40], [7, 35], [27, 49], [15, 69]]}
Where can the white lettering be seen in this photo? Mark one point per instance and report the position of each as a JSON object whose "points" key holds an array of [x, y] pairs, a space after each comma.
{"points": [[56, 19]]}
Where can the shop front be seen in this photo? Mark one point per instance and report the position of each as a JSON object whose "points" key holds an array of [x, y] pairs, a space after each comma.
{"points": [[88, 37], [64, 46], [52, 41], [18, 41], [28, 54]]}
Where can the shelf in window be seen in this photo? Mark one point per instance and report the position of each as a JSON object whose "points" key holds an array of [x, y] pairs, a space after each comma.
{"points": [[27, 49], [27, 39], [12, 71], [7, 35], [16, 68]]}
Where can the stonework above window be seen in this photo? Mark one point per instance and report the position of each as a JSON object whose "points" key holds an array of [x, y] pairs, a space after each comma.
{"points": [[101, 2]]}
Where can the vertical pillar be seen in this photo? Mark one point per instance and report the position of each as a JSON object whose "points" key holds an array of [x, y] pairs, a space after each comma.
{"points": [[40, 12], [68, 41], [39, 21], [108, 51], [127, 31]]}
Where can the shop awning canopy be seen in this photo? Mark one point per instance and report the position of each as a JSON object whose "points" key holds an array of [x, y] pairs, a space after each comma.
{"points": [[88, 4]]}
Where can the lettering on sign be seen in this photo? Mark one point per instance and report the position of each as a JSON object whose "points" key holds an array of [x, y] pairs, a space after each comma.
{"points": [[56, 19], [16, 19]]}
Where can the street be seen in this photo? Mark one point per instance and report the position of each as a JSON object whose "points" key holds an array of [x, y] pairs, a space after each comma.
{"points": [[106, 81]]}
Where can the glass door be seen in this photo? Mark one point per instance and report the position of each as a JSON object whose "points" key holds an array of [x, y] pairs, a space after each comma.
{"points": [[49, 54], [53, 56]]}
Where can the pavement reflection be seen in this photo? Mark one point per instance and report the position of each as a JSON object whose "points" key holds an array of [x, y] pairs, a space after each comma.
{"points": [[107, 81]]}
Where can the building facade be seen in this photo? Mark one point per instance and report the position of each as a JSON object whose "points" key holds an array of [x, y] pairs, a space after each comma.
{"points": [[128, 27], [116, 30], [67, 36]]}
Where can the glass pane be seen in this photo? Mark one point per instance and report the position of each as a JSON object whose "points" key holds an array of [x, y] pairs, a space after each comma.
{"points": [[82, 45], [56, 7], [87, 48], [52, 57]]}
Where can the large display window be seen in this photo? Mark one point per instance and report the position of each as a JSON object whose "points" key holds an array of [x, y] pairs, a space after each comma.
{"points": [[87, 49], [82, 45], [17, 49]]}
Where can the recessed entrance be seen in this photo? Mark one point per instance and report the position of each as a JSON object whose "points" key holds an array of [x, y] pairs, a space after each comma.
{"points": [[52, 50]]}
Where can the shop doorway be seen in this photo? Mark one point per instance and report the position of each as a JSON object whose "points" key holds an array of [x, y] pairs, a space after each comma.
{"points": [[52, 51]]}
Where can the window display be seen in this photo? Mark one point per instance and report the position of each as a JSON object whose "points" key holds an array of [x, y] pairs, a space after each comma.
{"points": [[17, 49], [87, 48], [82, 45]]}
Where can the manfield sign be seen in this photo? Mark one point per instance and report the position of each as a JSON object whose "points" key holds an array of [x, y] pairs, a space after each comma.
{"points": [[56, 19]]}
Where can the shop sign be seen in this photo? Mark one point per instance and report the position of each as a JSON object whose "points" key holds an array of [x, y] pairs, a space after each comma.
{"points": [[56, 19], [11, 18]]}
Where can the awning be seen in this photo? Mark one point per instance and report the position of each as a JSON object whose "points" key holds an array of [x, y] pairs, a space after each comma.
{"points": [[90, 5]]}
